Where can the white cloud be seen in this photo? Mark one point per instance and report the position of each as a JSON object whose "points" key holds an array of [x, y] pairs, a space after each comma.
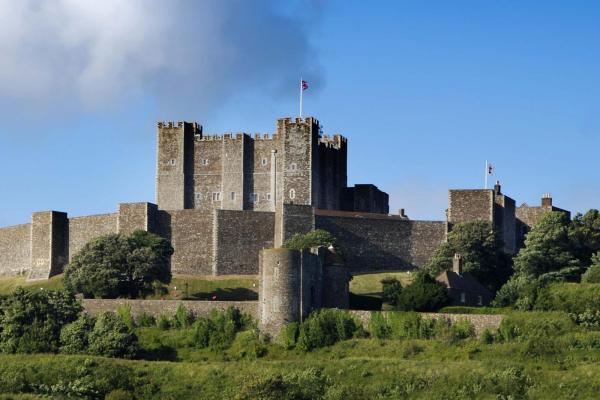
{"points": [[190, 54]]}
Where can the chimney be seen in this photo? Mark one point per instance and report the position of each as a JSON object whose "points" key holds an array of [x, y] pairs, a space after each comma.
{"points": [[547, 200], [497, 187], [457, 264], [402, 214]]}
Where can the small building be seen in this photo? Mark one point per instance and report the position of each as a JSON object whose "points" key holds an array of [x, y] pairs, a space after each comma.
{"points": [[463, 288]]}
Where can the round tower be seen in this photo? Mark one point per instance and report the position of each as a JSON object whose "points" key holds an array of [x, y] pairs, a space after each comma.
{"points": [[279, 295]]}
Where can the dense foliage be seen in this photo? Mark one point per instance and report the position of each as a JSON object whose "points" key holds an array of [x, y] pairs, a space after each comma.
{"points": [[322, 328], [592, 275], [30, 322], [423, 294], [116, 265], [303, 241], [391, 290], [481, 249]]}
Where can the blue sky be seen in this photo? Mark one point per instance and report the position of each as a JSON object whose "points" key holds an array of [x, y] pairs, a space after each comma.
{"points": [[424, 91]]}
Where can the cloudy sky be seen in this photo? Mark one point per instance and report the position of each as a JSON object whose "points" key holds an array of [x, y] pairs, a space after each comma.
{"points": [[425, 92]]}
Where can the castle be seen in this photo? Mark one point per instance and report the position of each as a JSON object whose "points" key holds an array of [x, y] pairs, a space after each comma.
{"points": [[221, 199]]}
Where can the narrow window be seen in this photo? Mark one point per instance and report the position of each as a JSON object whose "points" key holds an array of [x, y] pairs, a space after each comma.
{"points": [[292, 194], [172, 161], [205, 161], [198, 196], [216, 196], [268, 196], [255, 197], [264, 161], [232, 195], [463, 298], [293, 167]]}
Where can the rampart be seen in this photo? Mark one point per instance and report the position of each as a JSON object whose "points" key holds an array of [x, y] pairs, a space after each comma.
{"points": [[371, 242], [480, 322], [157, 308], [15, 248]]}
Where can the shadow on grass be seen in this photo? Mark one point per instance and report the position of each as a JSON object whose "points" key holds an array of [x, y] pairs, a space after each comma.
{"points": [[229, 294], [364, 302], [159, 353]]}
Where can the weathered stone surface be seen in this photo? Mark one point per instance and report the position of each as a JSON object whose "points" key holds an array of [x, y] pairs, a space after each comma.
{"points": [[84, 229], [480, 322], [167, 307], [15, 250]]}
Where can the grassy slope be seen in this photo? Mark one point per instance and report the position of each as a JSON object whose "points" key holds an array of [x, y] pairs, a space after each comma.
{"points": [[363, 368], [193, 287], [370, 284]]}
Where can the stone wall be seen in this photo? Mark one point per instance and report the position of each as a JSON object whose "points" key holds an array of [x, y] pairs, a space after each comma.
{"points": [[239, 237], [377, 243], [480, 322], [167, 307], [470, 205], [49, 244], [15, 249], [84, 229], [191, 234]]}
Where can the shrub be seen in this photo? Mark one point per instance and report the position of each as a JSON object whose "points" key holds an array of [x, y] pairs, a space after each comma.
{"points": [[511, 383], [392, 289], [303, 241], [124, 312], [111, 337], [588, 319], [324, 328], [304, 385], [592, 275], [163, 323], [117, 265], [288, 336], [525, 325], [570, 297], [146, 320], [218, 331], [379, 327], [423, 294], [119, 394], [183, 318], [247, 345], [540, 346], [31, 322], [74, 337]]}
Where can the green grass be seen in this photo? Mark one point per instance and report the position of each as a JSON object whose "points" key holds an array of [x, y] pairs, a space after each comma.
{"points": [[370, 284], [233, 287]]}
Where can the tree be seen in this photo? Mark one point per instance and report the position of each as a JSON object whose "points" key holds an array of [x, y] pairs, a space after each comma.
{"points": [[392, 289], [592, 275], [423, 294], [584, 234], [547, 248], [117, 265], [31, 322], [111, 337], [303, 241], [481, 249]]}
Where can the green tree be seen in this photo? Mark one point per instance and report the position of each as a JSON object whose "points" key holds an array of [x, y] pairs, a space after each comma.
{"points": [[547, 248], [302, 241], [74, 337], [111, 337], [592, 275], [31, 322], [392, 289], [481, 249], [117, 265], [423, 294], [584, 234]]}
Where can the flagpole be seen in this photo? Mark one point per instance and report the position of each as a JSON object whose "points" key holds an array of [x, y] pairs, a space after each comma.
{"points": [[301, 97], [486, 174]]}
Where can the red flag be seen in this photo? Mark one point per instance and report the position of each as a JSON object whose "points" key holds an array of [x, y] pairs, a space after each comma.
{"points": [[304, 85]]}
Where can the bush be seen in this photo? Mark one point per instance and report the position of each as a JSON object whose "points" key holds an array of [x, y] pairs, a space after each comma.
{"points": [[111, 337], [423, 294], [392, 289], [303, 241], [146, 320], [218, 331], [511, 383], [124, 312], [182, 318], [117, 265], [324, 328], [163, 323], [247, 345], [592, 275], [310, 384], [570, 297], [379, 327], [31, 322], [288, 337], [522, 326], [74, 337], [589, 319]]}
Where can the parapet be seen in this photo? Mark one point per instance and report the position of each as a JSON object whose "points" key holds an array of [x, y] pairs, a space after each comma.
{"points": [[336, 141], [283, 122], [194, 126]]}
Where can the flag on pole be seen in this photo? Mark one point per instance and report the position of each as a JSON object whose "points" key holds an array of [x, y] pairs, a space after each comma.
{"points": [[490, 169], [304, 85]]}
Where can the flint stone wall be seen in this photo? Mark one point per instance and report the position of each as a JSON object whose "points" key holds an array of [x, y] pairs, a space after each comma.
{"points": [[480, 322], [157, 308], [84, 229], [15, 248]]}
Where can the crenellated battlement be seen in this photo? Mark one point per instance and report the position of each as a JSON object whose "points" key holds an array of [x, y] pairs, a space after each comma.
{"points": [[336, 141], [194, 126], [237, 136]]}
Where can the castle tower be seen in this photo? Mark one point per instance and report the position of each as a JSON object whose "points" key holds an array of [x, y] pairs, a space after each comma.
{"points": [[175, 165]]}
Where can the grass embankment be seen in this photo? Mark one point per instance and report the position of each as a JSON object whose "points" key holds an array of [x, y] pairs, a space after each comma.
{"points": [[366, 289], [232, 287]]}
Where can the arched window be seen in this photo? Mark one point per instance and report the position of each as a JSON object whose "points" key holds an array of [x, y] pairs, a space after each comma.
{"points": [[292, 194]]}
